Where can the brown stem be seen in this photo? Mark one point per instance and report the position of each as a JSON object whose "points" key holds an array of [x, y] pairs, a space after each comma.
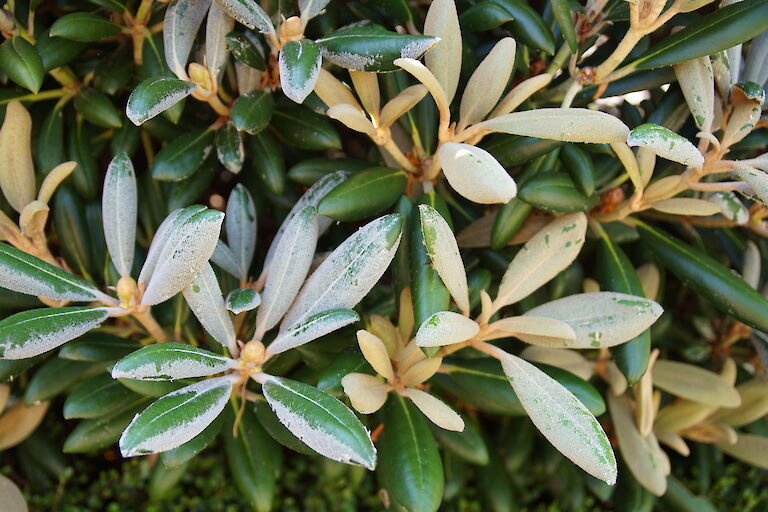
{"points": [[154, 329]]}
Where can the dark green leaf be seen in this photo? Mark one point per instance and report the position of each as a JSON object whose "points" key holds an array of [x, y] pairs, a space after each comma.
{"points": [[229, 148], [308, 171], [485, 15], [562, 12], [372, 47], [246, 48], [251, 112], [528, 26], [725, 28], [98, 346], [56, 376], [299, 68], [364, 195], [22, 64], [98, 396], [56, 51], [98, 433], [182, 157], [84, 27], [468, 444], [95, 107], [304, 129], [410, 468], [270, 164], [555, 192], [154, 96]]}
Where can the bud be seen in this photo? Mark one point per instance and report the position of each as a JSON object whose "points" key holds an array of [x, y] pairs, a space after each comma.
{"points": [[200, 75], [126, 291], [292, 29], [253, 352]]}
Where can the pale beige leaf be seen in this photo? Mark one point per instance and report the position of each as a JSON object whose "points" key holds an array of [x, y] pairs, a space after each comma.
{"points": [[13, 499], [750, 448], [650, 278], [556, 332], [751, 269], [682, 415], [646, 162], [694, 383], [33, 218], [487, 83], [589, 285], [446, 328], [375, 352], [687, 206], [544, 256], [754, 405], [674, 441], [408, 356], [19, 422], [602, 319], [443, 252], [661, 188], [425, 76], [383, 329], [53, 179], [628, 160], [421, 371], [434, 409], [5, 393], [17, 173], [618, 381], [568, 360], [405, 319], [217, 26], [667, 144], [444, 60], [642, 454], [402, 103], [697, 81], [475, 174], [566, 124], [333, 92], [366, 392], [562, 418], [367, 88], [352, 117], [520, 93]]}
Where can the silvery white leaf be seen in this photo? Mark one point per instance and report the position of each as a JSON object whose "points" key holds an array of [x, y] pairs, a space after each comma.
{"points": [[176, 418], [601, 319], [443, 251], [487, 83], [562, 419], [666, 143], [445, 328], [185, 253], [241, 227], [475, 174], [349, 273], [171, 223], [217, 26], [118, 211], [205, 300], [249, 13], [311, 8], [225, 259], [314, 327], [182, 20], [544, 256], [295, 251]]}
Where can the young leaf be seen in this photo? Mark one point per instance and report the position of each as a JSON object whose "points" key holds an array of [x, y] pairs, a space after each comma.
{"points": [[436, 410], [444, 61], [543, 330], [299, 68], [443, 251], [366, 392], [641, 454], [119, 210], [565, 124], [170, 361], [286, 274], [241, 227], [687, 206], [694, 383], [372, 47], [402, 103], [698, 84], [666, 143], [24, 273], [475, 174], [322, 422], [182, 20], [154, 96], [176, 418], [544, 256], [204, 297], [249, 14], [242, 299], [36, 331], [311, 197], [446, 328], [17, 173], [562, 419], [183, 256], [217, 26], [601, 319], [348, 274], [314, 327], [487, 83], [750, 448]]}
